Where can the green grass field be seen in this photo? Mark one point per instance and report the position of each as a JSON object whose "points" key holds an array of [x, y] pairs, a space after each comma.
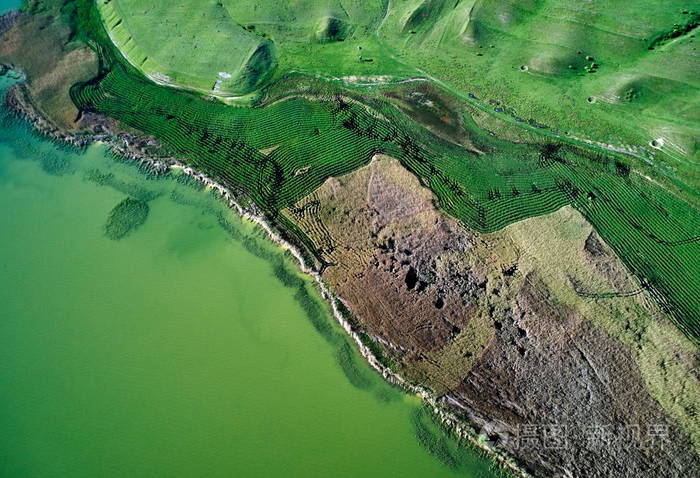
{"points": [[579, 67], [308, 129], [622, 73], [195, 45]]}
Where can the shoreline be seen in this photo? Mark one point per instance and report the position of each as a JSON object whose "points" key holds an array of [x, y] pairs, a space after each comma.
{"points": [[127, 146]]}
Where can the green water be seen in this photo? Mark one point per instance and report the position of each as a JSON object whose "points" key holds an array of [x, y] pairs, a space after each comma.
{"points": [[7, 5], [176, 351]]}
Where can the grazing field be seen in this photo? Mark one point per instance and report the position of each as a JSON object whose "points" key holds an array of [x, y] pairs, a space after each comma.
{"points": [[607, 60], [621, 73], [195, 45]]}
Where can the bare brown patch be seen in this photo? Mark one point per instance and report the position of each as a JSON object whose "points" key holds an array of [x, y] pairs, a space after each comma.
{"points": [[577, 379], [437, 112], [493, 324], [269, 150], [384, 241], [39, 46]]}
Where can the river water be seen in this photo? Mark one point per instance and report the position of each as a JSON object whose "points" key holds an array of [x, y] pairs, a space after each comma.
{"points": [[191, 347]]}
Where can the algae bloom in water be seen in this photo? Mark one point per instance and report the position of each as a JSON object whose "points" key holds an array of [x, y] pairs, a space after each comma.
{"points": [[125, 218]]}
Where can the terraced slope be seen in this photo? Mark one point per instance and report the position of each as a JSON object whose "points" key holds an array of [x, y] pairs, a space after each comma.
{"points": [[279, 153]]}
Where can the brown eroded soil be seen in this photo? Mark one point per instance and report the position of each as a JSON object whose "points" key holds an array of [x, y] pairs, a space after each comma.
{"points": [[498, 327], [40, 47]]}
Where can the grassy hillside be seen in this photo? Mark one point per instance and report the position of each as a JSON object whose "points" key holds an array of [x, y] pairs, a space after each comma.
{"points": [[623, 74], [614, 71], [192, 45]]}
